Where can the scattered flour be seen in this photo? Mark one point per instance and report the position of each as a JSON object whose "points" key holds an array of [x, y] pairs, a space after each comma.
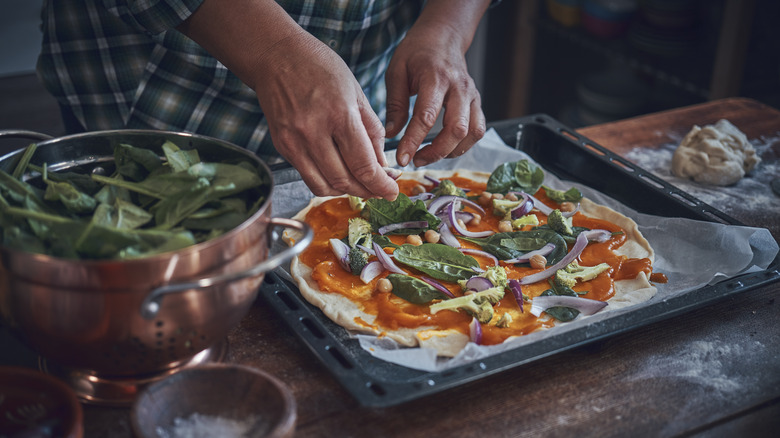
{"points": [[206, 426], [751, 194], [705, 363]]}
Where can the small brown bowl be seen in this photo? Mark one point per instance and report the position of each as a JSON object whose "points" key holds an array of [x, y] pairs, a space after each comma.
{"points": [[33, 403], [215, 400]]}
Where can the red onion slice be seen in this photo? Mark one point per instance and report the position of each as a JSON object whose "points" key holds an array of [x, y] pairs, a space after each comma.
{"points": [[432, 180], [446, 237], [597, 235], [422, 196], [586, 306], [368, 250], [545, 250], [401, 225], [438, 203], [341, 251], [541, 206], [579, 245], [451, 209], [517, 291], [440, 287], [392, 172], [479, 283], [475, 331], [386, 261], [568, 214], [524, 208], [372, 270], [479, 252]]}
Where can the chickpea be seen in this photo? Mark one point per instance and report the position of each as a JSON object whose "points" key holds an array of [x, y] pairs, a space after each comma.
{"points": [[511, 197], [475, 220], [567, 206], [384, 286], [538, 261], [432, 236], [414, 239], [461, 223], [485, 198], [498, 196], [505, 226], [419, 188]]}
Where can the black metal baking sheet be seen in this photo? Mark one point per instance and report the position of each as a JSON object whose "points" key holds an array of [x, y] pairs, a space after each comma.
{"points": [[568, 155]]}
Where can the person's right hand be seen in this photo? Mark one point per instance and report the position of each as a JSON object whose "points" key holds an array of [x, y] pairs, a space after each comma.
{"points": [[321, 121], [318, 116]]}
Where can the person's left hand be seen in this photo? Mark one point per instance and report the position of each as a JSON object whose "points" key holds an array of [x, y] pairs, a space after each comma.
{"points": [[431, 64]]}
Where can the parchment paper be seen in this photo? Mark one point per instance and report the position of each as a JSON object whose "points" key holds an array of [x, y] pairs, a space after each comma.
{"points": [[691, 253]]}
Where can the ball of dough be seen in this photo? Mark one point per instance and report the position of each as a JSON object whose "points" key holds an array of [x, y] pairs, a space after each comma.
{"points": [[718, 154]]}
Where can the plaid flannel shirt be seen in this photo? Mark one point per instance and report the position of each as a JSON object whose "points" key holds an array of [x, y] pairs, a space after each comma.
{"points": [[121, 64]]}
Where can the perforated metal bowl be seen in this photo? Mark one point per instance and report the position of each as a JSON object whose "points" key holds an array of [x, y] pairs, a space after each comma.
{"points": [[132, 318]]}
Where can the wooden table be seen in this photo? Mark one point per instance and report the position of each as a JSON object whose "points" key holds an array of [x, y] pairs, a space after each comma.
{"points": [[712, 372]]}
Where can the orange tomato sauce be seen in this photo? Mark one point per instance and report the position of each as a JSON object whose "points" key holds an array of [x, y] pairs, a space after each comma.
{"points": [[330, 220]]}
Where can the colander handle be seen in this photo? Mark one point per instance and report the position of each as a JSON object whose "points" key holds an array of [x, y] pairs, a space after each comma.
{"points": [[21, 133], [151, 304]]}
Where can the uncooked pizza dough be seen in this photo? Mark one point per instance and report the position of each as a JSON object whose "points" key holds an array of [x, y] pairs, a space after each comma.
{"points": [[448, 342], [718, 154]]}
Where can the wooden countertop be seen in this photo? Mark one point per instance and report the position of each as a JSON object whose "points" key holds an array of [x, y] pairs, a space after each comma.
{"points": [[714, 371]]}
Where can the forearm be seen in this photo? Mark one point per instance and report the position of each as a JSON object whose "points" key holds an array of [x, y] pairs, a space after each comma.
{"points": [[449, 20]]}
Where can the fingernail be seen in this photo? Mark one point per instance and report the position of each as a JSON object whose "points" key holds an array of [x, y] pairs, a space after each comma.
{"points": [[403, 160], [390, 126]]}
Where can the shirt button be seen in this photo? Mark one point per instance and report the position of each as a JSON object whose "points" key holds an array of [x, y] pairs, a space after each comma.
{"points": [[333, 44]]}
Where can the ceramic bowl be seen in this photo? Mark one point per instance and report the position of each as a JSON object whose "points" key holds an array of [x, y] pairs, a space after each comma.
{"points": [[35, 404], [215, 400]]}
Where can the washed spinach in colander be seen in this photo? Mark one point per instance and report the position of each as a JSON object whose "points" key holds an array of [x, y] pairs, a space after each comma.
{"points": [[149, 204]]}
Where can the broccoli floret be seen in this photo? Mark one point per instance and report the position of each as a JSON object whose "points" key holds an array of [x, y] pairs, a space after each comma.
{"points": [[504, 320], [529, 219], [496, 275], [478, 304], [448, 188], [357, 260], [503, 207], [356, 202], [359, 232], [559, 223], [573, 272]]}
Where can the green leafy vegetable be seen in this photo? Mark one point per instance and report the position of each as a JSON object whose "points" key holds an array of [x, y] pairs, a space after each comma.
{"points": [[414, 290], [381, 212], [520, 175], [513, 244], [439, 261], [571, 195]]}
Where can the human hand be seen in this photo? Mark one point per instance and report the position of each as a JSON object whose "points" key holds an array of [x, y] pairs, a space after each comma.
{"points": [[322, 123], [430, 63]]}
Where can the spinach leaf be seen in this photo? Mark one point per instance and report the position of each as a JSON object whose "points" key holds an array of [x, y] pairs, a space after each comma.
{"points": [[571, 195], [225, 214], [564, 314], [520, 175], [121, 214], [516, 243], [135, 163], [414, 290], [439, 261], [24, 160], [173, 209], [179, 159], [384, 241], [381, 212], [73, 199]]}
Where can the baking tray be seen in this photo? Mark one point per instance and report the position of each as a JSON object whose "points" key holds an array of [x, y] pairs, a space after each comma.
{"points": [[376, 383]]}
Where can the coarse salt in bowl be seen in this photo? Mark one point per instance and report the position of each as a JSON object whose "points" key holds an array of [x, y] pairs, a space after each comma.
{"points": [[213, 400]]}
